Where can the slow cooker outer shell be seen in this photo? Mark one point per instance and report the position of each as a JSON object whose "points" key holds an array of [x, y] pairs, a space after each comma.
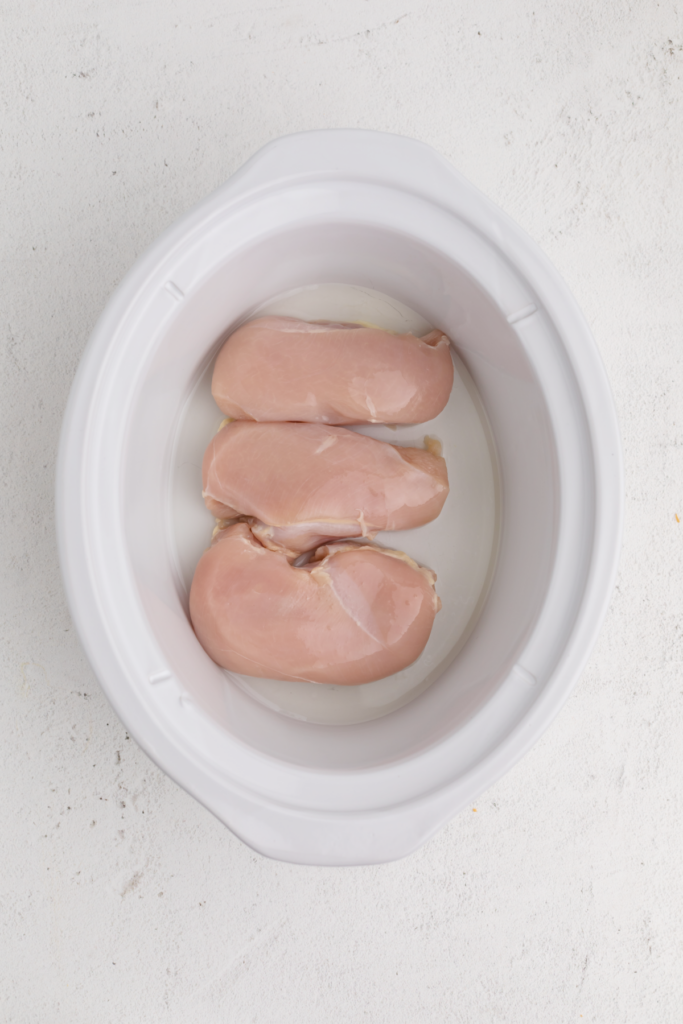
{"points": [[280, 809]]}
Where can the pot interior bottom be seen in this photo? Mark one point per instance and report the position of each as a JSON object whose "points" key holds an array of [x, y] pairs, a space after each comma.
{"points": [[460, 545]]}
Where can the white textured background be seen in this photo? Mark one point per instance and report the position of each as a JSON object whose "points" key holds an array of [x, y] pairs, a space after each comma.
{"points": [[561, 898]]}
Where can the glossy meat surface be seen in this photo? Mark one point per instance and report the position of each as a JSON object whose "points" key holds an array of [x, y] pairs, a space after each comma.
{"points": [[307, 483], [279, 368], [356, 614]]}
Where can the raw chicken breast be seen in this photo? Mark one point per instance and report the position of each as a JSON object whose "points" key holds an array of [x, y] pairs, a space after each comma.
{"points": [[307, 483], [355, 614], [277, 368]]}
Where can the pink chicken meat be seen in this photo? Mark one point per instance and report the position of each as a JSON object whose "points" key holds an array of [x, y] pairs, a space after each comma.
{"points": [[277, 368], [355, 614], [303, 484]]}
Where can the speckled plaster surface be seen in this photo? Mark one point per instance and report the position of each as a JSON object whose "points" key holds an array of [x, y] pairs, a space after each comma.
{"points": [[560, 899]]}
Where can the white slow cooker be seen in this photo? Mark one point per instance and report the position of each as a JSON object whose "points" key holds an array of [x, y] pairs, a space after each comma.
{"points": [[390, 217]]}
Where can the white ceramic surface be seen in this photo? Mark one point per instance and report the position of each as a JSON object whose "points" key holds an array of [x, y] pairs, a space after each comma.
{"points": [[384, 213]]}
